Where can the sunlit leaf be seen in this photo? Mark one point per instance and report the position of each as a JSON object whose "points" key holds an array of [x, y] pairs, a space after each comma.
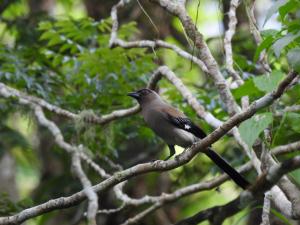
{"points": [[293, 120]]}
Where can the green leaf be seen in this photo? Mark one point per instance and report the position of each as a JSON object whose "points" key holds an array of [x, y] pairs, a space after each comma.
{"points": [[293, 26], [266, 43], [286, 8], [282, 42], [274, 8], [45, 25], [293, 58], [48, 35], [248, 88], [293, 119], [280, 216], [268, 82], [268, 32], [251, 128]]}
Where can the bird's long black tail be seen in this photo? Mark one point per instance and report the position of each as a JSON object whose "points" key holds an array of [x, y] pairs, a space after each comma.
{"points": [[231, 172]]}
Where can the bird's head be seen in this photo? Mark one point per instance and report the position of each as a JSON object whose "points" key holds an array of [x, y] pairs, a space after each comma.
{"points": [[144, 95]]}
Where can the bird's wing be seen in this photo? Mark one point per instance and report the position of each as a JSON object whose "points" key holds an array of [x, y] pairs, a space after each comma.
{"points": [[179, 120]]}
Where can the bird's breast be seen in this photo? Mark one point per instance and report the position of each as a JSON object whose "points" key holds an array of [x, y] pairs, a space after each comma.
{"points": [[183, 138], [167, 131]]}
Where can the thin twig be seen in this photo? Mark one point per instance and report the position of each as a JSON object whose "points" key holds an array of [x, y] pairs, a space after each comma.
{"points": [[249, 6], [232, 21], [87, 185]]}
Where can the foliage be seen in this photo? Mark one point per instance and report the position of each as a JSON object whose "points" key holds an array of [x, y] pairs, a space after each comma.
{"points": [[7, 207], [286, 40], [279, 44], [72, 66]]}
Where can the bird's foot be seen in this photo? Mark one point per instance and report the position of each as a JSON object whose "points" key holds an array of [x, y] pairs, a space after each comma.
{"points": [[157, 162]]}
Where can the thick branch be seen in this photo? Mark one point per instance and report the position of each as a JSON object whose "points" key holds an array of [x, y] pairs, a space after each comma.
{"points": [[283, 149]]}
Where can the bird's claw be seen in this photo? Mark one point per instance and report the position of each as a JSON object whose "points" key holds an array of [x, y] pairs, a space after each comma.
{"points": [[157, 162]]}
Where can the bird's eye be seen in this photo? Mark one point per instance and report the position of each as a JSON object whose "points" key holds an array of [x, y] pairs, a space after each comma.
{"points": [[146, 91], [143, 92]]}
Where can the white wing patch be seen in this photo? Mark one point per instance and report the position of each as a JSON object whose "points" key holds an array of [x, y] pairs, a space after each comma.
{"points": [[187, 127]]}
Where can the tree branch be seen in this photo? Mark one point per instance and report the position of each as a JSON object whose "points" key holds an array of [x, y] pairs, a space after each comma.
{"points": [[249, 6], [283, 149], [266, 209], [218, 214], [232, 21], [161, 44], [87, 185], [65, 113]]}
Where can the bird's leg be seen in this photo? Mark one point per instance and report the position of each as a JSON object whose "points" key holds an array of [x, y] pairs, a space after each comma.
{"points": [[172, 152]]}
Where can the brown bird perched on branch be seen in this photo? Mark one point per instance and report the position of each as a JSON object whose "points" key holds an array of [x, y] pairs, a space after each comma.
{"points": [[176, 129]]}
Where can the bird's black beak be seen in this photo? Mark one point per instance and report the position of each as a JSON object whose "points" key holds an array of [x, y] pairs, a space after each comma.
{"points": [[134, 95]]}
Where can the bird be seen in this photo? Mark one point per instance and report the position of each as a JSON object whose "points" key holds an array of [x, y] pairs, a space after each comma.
{"points": [[177, 129]]}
